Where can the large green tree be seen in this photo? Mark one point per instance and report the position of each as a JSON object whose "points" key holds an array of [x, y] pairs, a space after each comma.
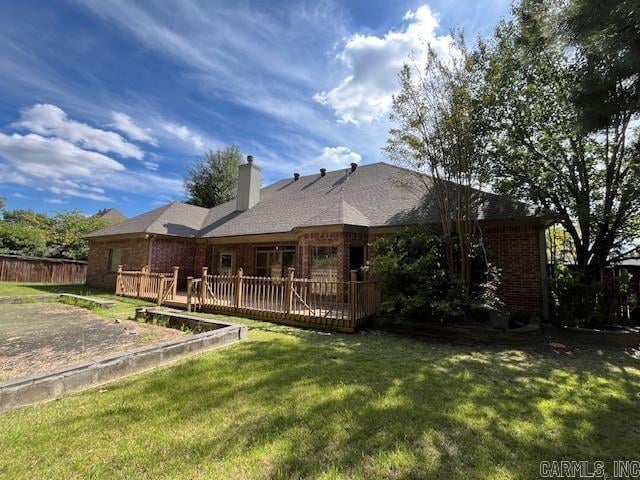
{"points": [[605, 36], [212, 180], [539, 149]]}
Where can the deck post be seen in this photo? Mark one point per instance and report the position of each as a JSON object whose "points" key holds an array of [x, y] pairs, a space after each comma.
{"points": [[140, 280], [238, 299], [189, 291], [353, 298], [119, 281], [175, 282], [289, 289], [161, 290], [203, 283]]}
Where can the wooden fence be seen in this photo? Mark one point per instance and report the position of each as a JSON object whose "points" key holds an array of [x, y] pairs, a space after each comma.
{"points": [[332, 305], [16, 268], [155, 287]]}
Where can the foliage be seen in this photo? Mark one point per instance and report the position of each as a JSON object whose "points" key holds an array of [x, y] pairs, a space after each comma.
{"points": [[25, 232], [22, 239], [604, 35], [213, 178], [290, 403], [538, 149], [68, 231], [415, 282], [584, 302], [437, 134]]}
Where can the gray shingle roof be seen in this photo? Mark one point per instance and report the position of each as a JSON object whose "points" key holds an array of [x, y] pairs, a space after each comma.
{"points": [[374, 195]]}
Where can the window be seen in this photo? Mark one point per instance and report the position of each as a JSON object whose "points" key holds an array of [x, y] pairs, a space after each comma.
{"points": [[274, 261], [324, 263], [115, 259], [226, 264]]}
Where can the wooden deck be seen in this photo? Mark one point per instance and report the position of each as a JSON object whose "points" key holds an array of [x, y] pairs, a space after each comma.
{"points": [[322, 304]]}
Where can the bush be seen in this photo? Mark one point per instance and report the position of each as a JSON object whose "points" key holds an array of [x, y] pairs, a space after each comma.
{"points": [[416, 283], [578, 301]]}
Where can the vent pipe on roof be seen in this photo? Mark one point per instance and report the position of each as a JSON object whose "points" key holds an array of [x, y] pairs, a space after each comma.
{"points": [[249, 183], [296, 176], [354, 166], [323, 172]]}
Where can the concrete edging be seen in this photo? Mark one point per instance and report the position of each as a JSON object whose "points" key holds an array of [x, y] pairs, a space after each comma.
{"points": [[54, 384]]}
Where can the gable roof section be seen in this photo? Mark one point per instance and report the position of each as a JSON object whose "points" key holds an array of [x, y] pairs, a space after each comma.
{"points": [[373, 195], [111, 215], [177, 219]]}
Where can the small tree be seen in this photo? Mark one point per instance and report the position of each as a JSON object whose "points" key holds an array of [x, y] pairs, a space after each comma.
{"points": [[437, 137], [213, 178]]}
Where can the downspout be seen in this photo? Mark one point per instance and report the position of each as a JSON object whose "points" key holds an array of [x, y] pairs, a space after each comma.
{"points": [[149, 239], [542, 242]]}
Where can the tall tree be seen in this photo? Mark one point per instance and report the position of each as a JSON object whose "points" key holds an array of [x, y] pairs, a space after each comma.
{"points": [[213, 178], [605, 36], [436, 136], [540, 150]]}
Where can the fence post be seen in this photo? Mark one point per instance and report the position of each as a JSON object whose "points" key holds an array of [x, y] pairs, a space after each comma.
{"points": [[189, 290], [353, 298], [119, 280], [239, 281], [289, 289], [161, 290], [175, 282]]}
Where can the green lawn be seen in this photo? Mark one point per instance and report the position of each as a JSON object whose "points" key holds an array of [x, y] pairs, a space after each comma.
{"points": [[292, 403]]}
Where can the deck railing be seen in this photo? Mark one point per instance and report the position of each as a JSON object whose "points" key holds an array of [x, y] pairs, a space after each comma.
{"points": [[155, 287], [330, 304]]}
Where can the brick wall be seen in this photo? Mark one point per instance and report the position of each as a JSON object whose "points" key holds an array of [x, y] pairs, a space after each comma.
{"points": [[167, 252], [134, 257], [516, 252]]}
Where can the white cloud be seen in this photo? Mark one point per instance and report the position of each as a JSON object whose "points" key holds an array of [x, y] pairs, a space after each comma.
{"points": [[373, 62], [184, 134], [19, 195], [338, 156], [36, 156], [51, 121], [62, 168], [151, 165], [55, 201], [125, 124]]}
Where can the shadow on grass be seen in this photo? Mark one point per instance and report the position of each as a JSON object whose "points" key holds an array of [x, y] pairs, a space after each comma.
{"points": [[303, 405]]}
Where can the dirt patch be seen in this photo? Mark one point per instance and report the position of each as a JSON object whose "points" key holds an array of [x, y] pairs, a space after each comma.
{"points": [[44, 336]]}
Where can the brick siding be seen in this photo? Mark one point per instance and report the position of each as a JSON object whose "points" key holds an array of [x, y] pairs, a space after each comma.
{"points": [[134, 257], [514, 249]]}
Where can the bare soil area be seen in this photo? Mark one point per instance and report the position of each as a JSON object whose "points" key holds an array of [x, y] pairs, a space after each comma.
{"points": [[37, 337]]}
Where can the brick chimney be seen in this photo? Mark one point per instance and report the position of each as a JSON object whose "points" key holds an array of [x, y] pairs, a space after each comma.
{"points": [[249, 183]]}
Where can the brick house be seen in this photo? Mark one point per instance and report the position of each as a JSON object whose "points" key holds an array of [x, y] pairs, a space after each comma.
{"points": [[322, 225]]}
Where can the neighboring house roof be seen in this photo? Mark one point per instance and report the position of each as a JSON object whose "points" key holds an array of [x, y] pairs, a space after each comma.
{"points": [[373, 195], [111, 215]]}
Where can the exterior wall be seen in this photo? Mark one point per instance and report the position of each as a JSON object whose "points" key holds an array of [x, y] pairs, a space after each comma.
{"points": [[169, 252], [516, 251], [134, 256]]}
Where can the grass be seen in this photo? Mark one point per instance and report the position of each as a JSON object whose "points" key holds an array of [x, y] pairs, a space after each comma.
{"points": [[293, 403]]}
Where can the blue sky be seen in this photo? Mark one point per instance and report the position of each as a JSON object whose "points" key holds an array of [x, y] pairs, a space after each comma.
{"points": [[105, 103]]}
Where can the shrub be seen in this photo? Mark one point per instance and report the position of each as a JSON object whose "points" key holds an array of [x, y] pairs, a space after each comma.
{"points": [[415, 282]]}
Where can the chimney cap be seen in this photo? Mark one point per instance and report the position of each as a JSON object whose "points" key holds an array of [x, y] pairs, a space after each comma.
{"points": [[249, 158], [296, 176], [323, 172], [354, 166]]}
